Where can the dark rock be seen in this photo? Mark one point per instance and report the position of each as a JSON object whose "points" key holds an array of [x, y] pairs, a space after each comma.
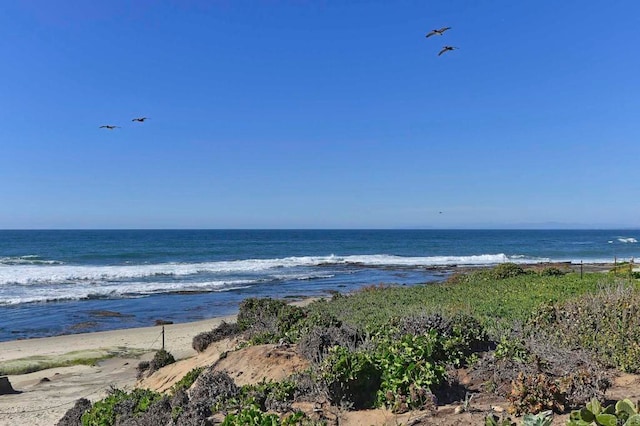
{"points": [[109, 314], [83, 325], [5, 387]]}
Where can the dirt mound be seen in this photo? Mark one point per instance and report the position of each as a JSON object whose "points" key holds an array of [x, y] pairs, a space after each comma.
{"points": [[254, 364], [163, 379]]}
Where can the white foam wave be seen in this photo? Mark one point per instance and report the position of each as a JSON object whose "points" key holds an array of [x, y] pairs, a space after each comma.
{"points": [[301, 277], [129, 289], [30, 259], [387, 260], [29, 274], [627, 240]]}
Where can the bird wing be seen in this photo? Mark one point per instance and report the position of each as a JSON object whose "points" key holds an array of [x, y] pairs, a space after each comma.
{"points": [[442, 51], [443, 29], [431, 33]]}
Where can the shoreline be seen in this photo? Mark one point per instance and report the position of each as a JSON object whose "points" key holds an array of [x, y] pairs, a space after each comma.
{"points": [[42, 397], [301, 298]]}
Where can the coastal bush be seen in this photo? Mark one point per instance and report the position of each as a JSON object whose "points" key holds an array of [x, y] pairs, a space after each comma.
{"points": [[267, 320], [73, 416], [266, 396], [551, 271], [606, 323], [316, 315], [462, 334], [212, 388], [160, 359], [252, 416], [511, 349], [119, 406], [410, 369], [351, 377], [576, 375], [315, 344], [533, 393], [224, 330], [507, 270], [186, 381]]}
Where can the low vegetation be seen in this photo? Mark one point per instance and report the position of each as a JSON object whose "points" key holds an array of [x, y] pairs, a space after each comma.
{"points": [[84, 357], [545, 339]]}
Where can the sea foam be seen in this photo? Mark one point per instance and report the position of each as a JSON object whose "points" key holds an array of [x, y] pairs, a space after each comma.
{"points": [[627, 240], [30, 274]]}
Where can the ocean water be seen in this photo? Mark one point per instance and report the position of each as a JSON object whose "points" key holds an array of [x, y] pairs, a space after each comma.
{"points": [[58, 282]]}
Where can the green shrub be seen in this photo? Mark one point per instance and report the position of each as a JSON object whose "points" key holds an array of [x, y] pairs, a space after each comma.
{"points": [[203, 340], [551, 271], [186, 381], [513, 349], [352, 377], [160, 359], [267, 320], [606, 323], [265, 396], [252, 416], [507, 270], [410, 368], [315, 344], [119, 405]]}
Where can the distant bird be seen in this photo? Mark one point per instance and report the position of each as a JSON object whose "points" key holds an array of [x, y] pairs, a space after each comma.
{"points": [[446, 49], [438, 31], [108, 127], [140, 119]]}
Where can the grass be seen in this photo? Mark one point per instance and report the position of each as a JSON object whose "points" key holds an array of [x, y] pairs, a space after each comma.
{"points": [[495, 302], [87, 357]]}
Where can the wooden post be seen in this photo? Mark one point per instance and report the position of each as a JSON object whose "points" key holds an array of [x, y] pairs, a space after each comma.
{"points": [[581, 269], [163, 337]]}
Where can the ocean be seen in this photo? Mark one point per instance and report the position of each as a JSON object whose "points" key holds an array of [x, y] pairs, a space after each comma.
{"points": [[61, 282]]}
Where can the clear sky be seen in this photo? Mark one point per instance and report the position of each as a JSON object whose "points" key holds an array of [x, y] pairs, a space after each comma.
{"points": [[319, 114]]}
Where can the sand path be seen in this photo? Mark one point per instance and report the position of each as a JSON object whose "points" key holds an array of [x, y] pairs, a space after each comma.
{"points": [[46, 395]]}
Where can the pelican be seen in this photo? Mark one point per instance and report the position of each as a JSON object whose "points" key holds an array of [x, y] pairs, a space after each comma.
{"points": [[108, 127], [140, 119], [438, 31], [446, 49]]}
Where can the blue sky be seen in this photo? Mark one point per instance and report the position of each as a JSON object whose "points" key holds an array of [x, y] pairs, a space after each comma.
{"points": [[319, 114]]}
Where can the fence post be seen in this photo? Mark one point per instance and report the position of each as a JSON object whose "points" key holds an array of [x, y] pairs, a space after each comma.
{"points": [[581, 269], [163, 337]]}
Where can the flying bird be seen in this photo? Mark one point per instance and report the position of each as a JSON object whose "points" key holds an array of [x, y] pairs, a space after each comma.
{"points": [[108, 127], [446, 49], [439, 31], [140, 119]]}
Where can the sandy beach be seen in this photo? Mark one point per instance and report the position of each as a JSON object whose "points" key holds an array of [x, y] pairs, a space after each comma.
{"points": [[44, 396]]}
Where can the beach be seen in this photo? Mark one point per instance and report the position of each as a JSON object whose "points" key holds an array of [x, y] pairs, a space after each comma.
{"points": [[47, 394]]}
